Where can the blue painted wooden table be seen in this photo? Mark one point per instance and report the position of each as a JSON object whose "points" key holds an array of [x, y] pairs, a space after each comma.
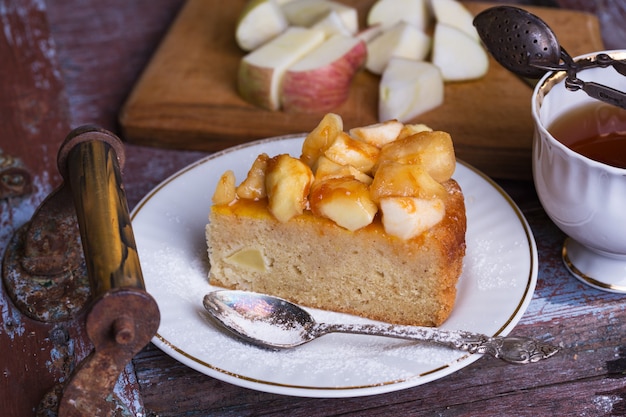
{"points": [[83, 60]]}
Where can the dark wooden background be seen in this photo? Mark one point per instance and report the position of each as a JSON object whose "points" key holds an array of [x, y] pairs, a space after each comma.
{"points": [[64, 63]]}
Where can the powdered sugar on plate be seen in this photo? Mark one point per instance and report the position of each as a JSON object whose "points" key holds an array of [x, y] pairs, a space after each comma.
{"points": [[493, 292]]}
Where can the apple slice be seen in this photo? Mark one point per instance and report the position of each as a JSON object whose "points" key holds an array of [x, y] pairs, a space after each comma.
{"points": [[349, 15], [409, 88], [306, 12], [393, 179], [287, 182], [453, 13], [225, 189], [369, 33], [433, 151], [330, 169], [346, 150], [378, 134], [262, 70], [401, 40], [320, 138], [321, 80], [458, 56], [411, 129], [345, 201], [253, 187], [388, 12], [407, 217], [260, 21], [332, 24]]}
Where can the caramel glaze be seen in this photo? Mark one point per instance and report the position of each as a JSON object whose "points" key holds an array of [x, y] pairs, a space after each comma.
{"points": [[454, 221]]}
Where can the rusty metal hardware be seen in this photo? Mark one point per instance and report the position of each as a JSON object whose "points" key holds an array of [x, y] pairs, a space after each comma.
{"points": [[15, 180], [77, 258], [44, 270]]}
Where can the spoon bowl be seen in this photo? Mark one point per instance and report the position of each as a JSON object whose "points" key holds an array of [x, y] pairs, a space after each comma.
{"points": [[260, 319], [520, 41], [275, 323], [525, 45]]}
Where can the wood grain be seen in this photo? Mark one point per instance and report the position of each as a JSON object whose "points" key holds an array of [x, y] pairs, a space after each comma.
{"points": [[101, 48], [32, 112], [35, 356], [186, 97], [585, 378]]}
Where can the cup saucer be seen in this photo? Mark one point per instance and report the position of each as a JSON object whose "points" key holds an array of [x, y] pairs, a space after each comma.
{"points": [[606, 272]]}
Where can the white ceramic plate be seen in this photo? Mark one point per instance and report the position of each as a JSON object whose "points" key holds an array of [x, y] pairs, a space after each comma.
{"points": [[498, 281]]}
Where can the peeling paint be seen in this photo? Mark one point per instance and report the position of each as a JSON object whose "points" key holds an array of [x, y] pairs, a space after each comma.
{"points": [[62, 355], [12, 324], [130, 397], [565, 296], [16, 212], [605, 403]]}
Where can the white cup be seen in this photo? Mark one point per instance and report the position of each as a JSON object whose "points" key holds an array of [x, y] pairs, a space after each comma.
{"points": [[586, 199]]}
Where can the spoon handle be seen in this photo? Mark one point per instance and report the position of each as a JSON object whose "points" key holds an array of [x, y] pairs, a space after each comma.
{"points": [[598, 91], [604, 60], [513, 349]]}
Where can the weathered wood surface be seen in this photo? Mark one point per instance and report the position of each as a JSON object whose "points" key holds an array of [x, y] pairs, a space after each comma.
{"points": [[99, 51], [33, 120]]}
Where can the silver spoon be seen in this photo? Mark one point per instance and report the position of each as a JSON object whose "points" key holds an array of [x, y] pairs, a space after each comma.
{"points": [[525, 45], [273, 322]]}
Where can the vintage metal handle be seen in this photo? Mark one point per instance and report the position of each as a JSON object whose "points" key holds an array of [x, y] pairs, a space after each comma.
{"points": [[123, 317], [52, 280], [89, 161]]}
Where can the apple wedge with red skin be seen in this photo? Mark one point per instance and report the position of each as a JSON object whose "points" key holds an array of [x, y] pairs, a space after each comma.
{"points": [[261, 71], [321, 80]]}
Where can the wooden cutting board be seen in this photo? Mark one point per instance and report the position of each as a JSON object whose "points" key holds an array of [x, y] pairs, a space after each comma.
{"points": [[186, 98]]}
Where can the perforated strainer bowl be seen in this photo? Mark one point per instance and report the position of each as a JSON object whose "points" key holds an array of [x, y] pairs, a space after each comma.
{"points": [[518, 40]]}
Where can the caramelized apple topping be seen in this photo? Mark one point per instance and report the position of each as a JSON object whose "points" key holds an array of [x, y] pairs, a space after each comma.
{"points": [[253, 187], [388, 168], [346, 201], [432, 150], [321, 138], [287, 181], [348, 151], [394, 179], [225, 189]]}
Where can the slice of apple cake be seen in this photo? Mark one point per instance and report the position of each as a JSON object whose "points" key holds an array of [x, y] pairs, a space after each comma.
{"points": [[367, 222]]}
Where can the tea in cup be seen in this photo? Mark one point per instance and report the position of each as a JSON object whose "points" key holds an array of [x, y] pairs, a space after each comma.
{"points": [[579, 169]]}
